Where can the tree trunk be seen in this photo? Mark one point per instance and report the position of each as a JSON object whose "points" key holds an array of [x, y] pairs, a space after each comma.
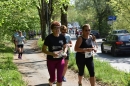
{"points": [[64, 15], [41, 11], [50, 11]]}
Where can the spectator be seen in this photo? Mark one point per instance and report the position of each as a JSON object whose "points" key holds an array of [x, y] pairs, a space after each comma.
{"points": [[94, 41], [84, 48], [54, 45]]}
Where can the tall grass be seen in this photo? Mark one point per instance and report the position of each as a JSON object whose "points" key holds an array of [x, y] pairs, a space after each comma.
{"points": [[40, 43], [9, 75]]}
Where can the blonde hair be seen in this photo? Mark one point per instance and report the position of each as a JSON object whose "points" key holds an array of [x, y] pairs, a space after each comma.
{"points": [[85, 25]]}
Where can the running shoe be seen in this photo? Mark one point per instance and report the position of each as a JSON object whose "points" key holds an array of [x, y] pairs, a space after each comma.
{"points": [[63, 79], [18, 56]]}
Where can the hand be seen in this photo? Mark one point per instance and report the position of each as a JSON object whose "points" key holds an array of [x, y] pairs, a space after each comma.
{"points": [[55, 54], [88, 49], [64, 55], [69, 45]]}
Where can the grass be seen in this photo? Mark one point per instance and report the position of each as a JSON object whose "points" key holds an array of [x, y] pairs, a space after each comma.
{"points": [[9, 75], [40, 43], [104, 72]]}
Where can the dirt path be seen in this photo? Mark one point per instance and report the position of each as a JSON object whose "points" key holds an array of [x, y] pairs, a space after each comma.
{"points": [[34, 70]]}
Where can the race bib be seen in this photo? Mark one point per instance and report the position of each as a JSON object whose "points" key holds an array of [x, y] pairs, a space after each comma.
{"points": [[88, 54], [60, 53]]}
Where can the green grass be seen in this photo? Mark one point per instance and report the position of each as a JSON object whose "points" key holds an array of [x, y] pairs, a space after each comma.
{"points": [[40, 43], [104, 73], [9, 75]]}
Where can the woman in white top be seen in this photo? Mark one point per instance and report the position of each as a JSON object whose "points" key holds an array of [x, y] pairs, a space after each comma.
{"points": [[20, 44]]}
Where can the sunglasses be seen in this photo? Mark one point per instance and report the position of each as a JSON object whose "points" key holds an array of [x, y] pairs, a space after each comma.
{"points": [[87, 30], [56, 28]]}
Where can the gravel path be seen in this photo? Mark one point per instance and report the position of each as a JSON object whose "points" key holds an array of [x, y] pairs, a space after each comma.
{"points": [[34, 70]]}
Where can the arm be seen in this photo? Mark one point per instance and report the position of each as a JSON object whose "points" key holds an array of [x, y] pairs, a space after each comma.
{"points": [[44, 50], [77, 45], [65, 48], [69, 44]]}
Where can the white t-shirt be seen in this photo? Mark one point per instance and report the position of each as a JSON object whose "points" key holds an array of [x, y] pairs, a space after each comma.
{"points": [[20, 39]]}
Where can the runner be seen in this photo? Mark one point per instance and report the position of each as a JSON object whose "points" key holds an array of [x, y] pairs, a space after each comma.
{"points": [[54, 46], [14, 40], [20, 44], [64, 30], [24, 33], [84, 56]]}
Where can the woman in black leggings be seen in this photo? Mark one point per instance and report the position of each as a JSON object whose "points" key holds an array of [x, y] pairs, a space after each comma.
{"points": [[85, 47]]}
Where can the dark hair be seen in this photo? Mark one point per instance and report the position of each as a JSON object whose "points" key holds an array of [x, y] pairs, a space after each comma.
{"points": [[63, 27], [55, 23], [19, 31], [85, 25]]}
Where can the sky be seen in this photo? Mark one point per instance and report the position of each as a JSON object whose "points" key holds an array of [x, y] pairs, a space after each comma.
{"points": [[72, 1]]}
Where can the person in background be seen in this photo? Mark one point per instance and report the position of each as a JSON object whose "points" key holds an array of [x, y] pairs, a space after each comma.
{"points": [[14, 40], [84, 48], [24, 33], [20, 44], [54, 46], [34, 32], [94, 40], [64, 30]]}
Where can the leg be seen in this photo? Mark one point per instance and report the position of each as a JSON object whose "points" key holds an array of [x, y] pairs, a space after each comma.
{"points": [[81, 72], [80, 62], [60, 68], [92, 81], [21, 50], [90, 66], [65, 67], [51, 69]]}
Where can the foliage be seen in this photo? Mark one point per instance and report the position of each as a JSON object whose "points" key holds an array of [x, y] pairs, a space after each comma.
{"points": [[9, 75], [122, 10], [20, 15], [40, 43]]}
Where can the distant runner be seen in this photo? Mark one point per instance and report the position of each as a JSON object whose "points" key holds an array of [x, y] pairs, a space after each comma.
{"points": [[20, 44], [14, 40]]}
